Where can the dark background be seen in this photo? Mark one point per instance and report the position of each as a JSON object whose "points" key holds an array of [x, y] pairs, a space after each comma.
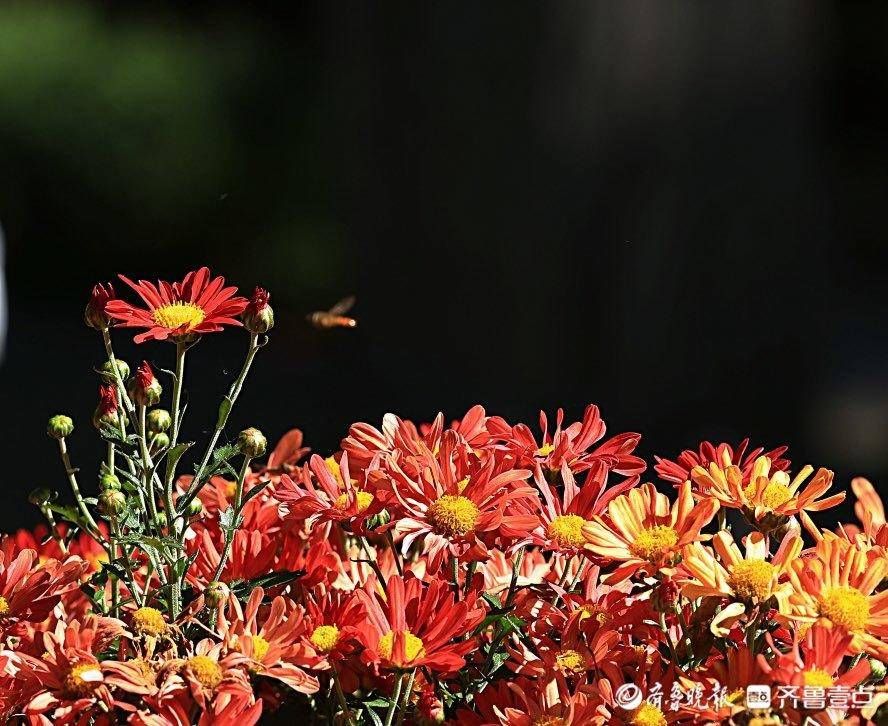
{"points": [[675, 210]]}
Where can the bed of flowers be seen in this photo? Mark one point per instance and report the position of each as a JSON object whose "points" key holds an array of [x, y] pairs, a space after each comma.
{"points": [[474, 572]]}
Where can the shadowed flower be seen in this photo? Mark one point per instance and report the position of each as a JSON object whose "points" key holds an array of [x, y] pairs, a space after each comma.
{"points": [[196, 305], [416, 625]]}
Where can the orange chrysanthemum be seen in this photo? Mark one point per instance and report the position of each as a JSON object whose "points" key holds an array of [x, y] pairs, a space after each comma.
{"points": [[642, 531]]}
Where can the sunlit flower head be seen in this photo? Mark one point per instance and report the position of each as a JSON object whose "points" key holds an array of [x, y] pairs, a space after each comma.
{"points": [[196, 305], [641, 530], [724, 455]]}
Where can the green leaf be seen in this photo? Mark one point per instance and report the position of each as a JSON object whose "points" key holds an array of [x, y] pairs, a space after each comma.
{"points": [[224, 410], [243, 588], [173, 456], [68, 512]]}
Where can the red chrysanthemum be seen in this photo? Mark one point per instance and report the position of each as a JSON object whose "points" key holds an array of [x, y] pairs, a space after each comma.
{"points": [[198, 304], [679, 471]]}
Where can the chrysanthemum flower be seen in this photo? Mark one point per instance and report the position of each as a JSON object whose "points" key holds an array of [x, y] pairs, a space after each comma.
{"points": [[332, 621], [272, 644], [456, 510], [751, 578], [28, 592], [526, 702], [196, 305], [337, 498], [642, 532], [561, 518], [815, 660], [418, 625], [837, 585], [572, 444], [723, 455], [770, 498]]}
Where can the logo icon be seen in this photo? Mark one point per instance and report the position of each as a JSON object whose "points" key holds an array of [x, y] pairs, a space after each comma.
{"points": [[628, 696], [758, 696]]}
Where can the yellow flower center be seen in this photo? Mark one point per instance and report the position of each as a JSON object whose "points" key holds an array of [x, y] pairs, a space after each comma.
{"points": [[230, 489], [75, 685], [570, 660], [818, 678], [149, 621], [177, 314], [548, 721], [545, 450], [4, 606], [413, 646], [566, 530], [205, 670], [654, 542], [593, 610], [454, 516], [325, 638], [260, 647], [772, 497], [364, 500], [847, 607], [648, 715], [752, 579]]}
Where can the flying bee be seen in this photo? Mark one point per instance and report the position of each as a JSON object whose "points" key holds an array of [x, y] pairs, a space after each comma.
{"points": [[334, 317]]}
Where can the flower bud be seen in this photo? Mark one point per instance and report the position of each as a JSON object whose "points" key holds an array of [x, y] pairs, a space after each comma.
{"points": [[258, 317], [251, 443], [41, 496], [109, 482], [879, 671], [160, 520], [159, 420], [59, 427], [195, 507], [664, 598], [144, 388], [158, 442], [107, 371], [94, 315], [112, 503], [215, 593], [106, 412]]}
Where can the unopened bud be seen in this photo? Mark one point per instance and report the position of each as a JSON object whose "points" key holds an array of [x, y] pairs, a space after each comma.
{"points": [[94, 315], [144, 388], [664, 598], [251, 442], [215, 593], [160, 520], [112, 503], [158, 443], [107, 370], [106, 412], [195, 507], [159, 420], [109, 482], [258, 317], [59, 427]]}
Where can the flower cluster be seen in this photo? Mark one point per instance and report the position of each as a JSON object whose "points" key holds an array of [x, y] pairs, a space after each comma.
{"points": [[476, 572]]}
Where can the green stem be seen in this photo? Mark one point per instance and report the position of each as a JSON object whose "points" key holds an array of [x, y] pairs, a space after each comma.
{"points": [[396, 698], [340, 695], [72, 480], [224, 411], [513, 583], [54, 528], [407, 693], [395, 554], [229, 533]]}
